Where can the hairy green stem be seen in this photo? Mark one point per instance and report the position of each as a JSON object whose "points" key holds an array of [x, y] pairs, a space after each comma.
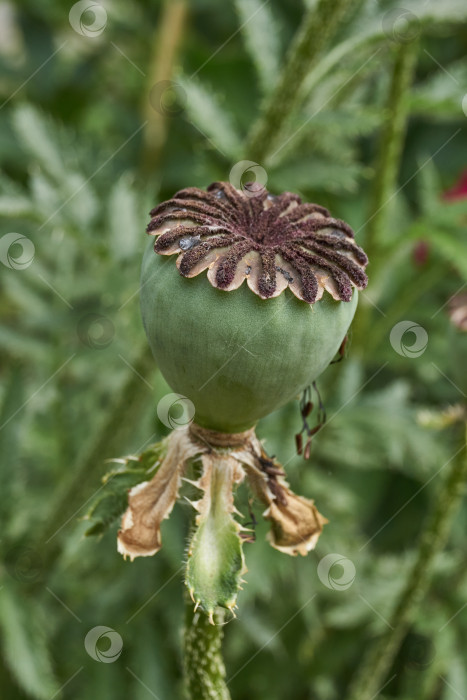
{"points": [[318, 26], [203, 663], [391, 144], [371, 676]]}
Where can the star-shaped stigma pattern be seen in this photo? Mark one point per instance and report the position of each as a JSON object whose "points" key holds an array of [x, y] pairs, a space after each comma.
{"points": [[273, 242]]}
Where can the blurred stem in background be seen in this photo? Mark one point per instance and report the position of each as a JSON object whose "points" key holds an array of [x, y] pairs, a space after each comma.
{"points": [[167, 40], [386, 172], [391, 145], [317, 29], [371, 676]]}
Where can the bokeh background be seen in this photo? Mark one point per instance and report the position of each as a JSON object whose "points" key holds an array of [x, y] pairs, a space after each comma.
{"points": [[106, 110]]}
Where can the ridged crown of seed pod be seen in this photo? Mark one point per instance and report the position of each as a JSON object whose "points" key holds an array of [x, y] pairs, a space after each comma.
{"points": [[273, 241]]}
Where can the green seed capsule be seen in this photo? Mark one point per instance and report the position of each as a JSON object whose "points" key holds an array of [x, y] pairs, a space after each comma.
{"points": [[236, 356], [240, 350]]}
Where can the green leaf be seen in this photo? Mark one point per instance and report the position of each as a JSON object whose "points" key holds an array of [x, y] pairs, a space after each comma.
{"points": [[380, 429], [45, 195], [330, 134], [261, 33], [321, 175], [441, 94], [371, 30], [456, 678], [442, 223], [429, 186], [15, 206], [10, 431], [112, 499], [124, 218], [20, 345], [207, 115], [107, 510], [81, 204], [25, 649], [451, 245], [39, 139], [14, 201]]}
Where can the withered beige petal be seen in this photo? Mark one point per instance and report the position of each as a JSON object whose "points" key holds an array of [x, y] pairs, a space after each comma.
{"points": [[296, 523], [150, 502], [170, 225], [204, 263]]}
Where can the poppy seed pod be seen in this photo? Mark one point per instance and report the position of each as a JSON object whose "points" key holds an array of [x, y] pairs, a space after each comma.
{"points": [[238, 351], [240, 355]]}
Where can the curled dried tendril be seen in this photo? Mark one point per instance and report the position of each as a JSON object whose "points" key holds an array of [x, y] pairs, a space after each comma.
{"points": [[273, 242]]}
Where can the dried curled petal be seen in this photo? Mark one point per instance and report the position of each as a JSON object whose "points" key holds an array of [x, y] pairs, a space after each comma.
{"points": [[273, 242], [296, 523], [150, 502]]}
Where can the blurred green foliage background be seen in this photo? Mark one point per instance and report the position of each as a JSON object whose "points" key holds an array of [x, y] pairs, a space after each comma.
{"points": [[89, 141]]}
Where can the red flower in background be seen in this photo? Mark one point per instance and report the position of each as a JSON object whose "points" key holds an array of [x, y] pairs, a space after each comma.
{"points": [[458, 190], [420, 253]]}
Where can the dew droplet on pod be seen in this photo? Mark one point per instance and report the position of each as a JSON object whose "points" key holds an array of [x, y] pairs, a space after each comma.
{"points": [[188, 242], [286, 274]]}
